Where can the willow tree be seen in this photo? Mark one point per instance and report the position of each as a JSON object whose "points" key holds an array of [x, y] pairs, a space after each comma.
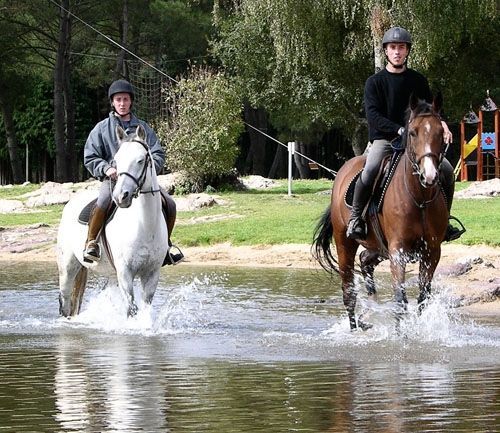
{"points": [[306, 62]]}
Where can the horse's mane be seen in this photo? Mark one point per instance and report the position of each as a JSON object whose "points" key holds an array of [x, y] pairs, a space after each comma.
{"points": [[423, 107]]}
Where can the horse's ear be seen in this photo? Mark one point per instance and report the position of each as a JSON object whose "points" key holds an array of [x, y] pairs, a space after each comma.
{"points": [[120, 133], [141, 132], [437, 102], [413, 101]]}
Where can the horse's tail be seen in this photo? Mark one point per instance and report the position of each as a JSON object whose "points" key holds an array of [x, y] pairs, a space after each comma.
{"points": [[322, 241]]}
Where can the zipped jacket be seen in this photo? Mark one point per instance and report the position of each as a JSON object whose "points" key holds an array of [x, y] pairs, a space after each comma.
{"points": [[102, 145]]}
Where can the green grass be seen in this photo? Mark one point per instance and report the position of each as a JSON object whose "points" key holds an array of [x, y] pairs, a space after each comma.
{"points": [[255, 219], [481, 218], [44, 215], [272, 217], [16, 191]]}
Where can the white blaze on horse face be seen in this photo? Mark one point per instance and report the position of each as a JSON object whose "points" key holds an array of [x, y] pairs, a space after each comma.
{"points": [[429, 169], [126, 162]]}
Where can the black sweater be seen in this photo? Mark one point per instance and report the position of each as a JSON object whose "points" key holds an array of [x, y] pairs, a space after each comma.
{"points": [[387, 96]]}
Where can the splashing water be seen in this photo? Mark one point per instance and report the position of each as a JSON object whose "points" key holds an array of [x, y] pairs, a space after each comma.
{"points": [[287, 315]]}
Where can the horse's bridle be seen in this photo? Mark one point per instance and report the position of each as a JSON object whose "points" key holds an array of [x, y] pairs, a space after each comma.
{"points": [[142, 177], [415, 163]]}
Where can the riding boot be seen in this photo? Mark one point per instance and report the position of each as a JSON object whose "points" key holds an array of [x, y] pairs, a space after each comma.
{"points": [[356, 228], [448, 184], [92, 252], [170, 213]]}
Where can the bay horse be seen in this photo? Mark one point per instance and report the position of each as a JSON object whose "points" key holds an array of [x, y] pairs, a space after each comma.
{"points": [[133, 243], [408, 226]]}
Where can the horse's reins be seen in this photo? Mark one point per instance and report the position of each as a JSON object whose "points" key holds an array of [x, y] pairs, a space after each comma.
{"points": [[142, 177], [416, 167]]}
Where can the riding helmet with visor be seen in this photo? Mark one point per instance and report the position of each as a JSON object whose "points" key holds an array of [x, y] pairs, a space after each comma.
{"points": [[121, 86], [396, 35]]}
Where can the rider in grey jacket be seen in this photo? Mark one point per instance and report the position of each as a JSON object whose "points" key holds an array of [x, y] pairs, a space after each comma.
{"points": [[102, 144], [99, 151]]}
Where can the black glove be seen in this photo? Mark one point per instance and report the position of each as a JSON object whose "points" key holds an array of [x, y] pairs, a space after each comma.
{"points": [[398, 143]]}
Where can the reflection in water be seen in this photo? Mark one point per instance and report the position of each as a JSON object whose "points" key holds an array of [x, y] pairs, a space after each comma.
{"points": [[113, 386], [243, 351], [71, 388], [118, 384]]}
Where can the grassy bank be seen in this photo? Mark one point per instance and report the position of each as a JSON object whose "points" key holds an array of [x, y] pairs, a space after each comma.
{"points": [[271, 216]]}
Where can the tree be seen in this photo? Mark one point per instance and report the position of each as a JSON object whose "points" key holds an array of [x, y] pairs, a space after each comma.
{"points": [[305, 63], [11, 69], [204, 126], [53, 44]]}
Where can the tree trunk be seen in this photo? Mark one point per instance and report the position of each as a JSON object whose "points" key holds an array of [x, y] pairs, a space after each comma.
{"points": [[278, 169], [302, 164], [69, 104], [59, 79], [71, 153], [360, 137], [12, 144], [256, 160], [120, 70], [379, 22]]}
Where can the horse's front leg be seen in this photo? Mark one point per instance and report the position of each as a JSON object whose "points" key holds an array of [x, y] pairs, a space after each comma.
{"points": [[369, 260], [126, 284], [428, 264], [149, 284], [398, 267]]}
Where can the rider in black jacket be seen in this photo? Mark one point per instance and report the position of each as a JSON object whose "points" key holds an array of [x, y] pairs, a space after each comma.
{"points": [[387, 95]]}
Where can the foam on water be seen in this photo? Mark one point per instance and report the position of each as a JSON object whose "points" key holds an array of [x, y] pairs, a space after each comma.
{"points": [[438, 323], [183, 309]]}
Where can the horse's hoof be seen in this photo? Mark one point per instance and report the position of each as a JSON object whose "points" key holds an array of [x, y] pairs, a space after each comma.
{"points": [[365, 326], [132, 311]]}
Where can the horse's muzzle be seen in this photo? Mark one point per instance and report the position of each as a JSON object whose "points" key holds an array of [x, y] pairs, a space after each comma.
{"points": [[425, 182], [428, 172], [123, 199]]}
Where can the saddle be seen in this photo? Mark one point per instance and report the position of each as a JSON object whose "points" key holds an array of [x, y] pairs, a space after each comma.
{"points": [[376, 200], [382, 181], [84, 216]]}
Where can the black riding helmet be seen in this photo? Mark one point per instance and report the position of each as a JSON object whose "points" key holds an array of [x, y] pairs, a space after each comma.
{"points": [[396, 35], [121, 86]]}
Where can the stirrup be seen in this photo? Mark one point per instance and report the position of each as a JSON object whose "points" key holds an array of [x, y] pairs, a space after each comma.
{"points": [[453, 233], [173, 258], [356, 229], [92, 252]]}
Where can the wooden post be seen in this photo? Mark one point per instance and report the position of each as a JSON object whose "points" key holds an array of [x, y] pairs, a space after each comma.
{"points": [[463, 166], [291, 151], [27, 163]]}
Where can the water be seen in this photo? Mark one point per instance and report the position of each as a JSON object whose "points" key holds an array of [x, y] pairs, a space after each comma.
{"points": [[238, 350]]}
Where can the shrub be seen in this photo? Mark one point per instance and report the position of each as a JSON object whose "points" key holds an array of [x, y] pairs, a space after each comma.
{"points": [[203, 127]]}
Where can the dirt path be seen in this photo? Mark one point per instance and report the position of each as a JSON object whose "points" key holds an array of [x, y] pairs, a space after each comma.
{"points": [[473, 272]]}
